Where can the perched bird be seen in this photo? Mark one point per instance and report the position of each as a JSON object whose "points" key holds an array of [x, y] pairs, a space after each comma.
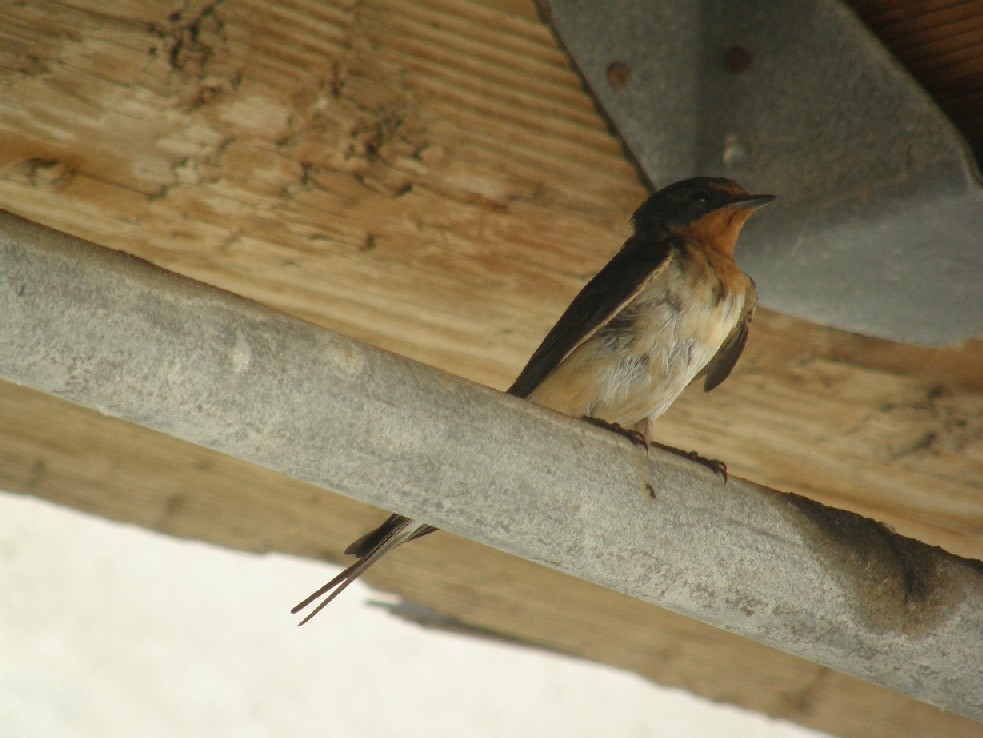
{"points": [[670, 306]]}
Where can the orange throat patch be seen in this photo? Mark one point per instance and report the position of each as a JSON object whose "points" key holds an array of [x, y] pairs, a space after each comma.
{"points": [[720, 228]]}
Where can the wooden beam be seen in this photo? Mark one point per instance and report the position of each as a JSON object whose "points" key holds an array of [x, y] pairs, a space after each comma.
{"points": [[430, 178], [941, 45]]}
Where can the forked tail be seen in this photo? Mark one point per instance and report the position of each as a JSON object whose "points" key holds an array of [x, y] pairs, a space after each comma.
{"points": [[369, 548]]}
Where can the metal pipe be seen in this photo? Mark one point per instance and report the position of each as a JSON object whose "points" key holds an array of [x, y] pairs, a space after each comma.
{"points": [[114, 333]]}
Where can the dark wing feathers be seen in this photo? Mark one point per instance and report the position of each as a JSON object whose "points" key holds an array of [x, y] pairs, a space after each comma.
{"points": [[599, 301], [723, 362], [363, 546]]}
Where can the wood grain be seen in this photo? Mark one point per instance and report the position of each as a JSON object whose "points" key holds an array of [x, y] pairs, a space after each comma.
{"points": [[431, 178], [940, 42]]}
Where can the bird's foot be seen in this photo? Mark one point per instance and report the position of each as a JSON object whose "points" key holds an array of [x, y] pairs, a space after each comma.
{"points": [[714, 465], [632, 435]]}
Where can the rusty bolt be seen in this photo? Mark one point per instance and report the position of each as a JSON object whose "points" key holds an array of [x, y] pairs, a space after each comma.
{"points": [[619, 75], [738, 59]]}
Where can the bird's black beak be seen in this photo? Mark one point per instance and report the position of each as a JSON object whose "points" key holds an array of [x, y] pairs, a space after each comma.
{"points": [[752, 201]]}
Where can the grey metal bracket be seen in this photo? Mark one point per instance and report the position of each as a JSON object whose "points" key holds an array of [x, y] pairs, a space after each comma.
{"points": [[879, 225]]}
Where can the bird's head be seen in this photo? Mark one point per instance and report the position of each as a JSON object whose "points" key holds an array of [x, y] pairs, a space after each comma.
{"points": [[709, 209]]}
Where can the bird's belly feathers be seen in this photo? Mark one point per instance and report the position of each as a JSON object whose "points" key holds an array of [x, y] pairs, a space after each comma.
{"points": [[633, 369]]}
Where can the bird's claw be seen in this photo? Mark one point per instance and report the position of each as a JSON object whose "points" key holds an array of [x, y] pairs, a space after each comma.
{"points": [[714, 465], [632, 435]]}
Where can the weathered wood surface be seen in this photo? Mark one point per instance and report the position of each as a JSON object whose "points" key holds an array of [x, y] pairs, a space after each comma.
{"points": [[430, 177]]}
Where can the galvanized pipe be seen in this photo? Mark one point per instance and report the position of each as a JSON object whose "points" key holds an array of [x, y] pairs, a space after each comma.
{"points": [[111, 332]]}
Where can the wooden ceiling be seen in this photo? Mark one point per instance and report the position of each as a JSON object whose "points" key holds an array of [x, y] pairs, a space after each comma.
{"points": [[429, 176], [940, 42]]}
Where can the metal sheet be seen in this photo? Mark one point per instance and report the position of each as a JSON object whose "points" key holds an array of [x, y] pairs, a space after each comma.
{"points": [[879, 226]]}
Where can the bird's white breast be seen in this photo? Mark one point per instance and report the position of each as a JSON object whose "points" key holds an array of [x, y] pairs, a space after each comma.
{"points": [[632, 370]]}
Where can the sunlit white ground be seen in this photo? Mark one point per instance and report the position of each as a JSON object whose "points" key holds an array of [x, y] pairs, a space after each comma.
{"points": [[107, 630]]}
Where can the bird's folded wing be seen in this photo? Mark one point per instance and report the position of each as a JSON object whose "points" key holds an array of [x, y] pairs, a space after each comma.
{"points": [[720, 366], [611, 289]]}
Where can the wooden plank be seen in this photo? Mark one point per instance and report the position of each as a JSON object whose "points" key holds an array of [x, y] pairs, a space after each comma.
{"points": [[941, 44], [360, 183], [431, 178]]}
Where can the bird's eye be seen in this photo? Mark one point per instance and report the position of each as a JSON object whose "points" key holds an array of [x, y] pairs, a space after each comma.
{"points": [[701, 197]]}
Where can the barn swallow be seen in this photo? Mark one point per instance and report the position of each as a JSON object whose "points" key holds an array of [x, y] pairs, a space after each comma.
{"points": [[672, 305]]}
